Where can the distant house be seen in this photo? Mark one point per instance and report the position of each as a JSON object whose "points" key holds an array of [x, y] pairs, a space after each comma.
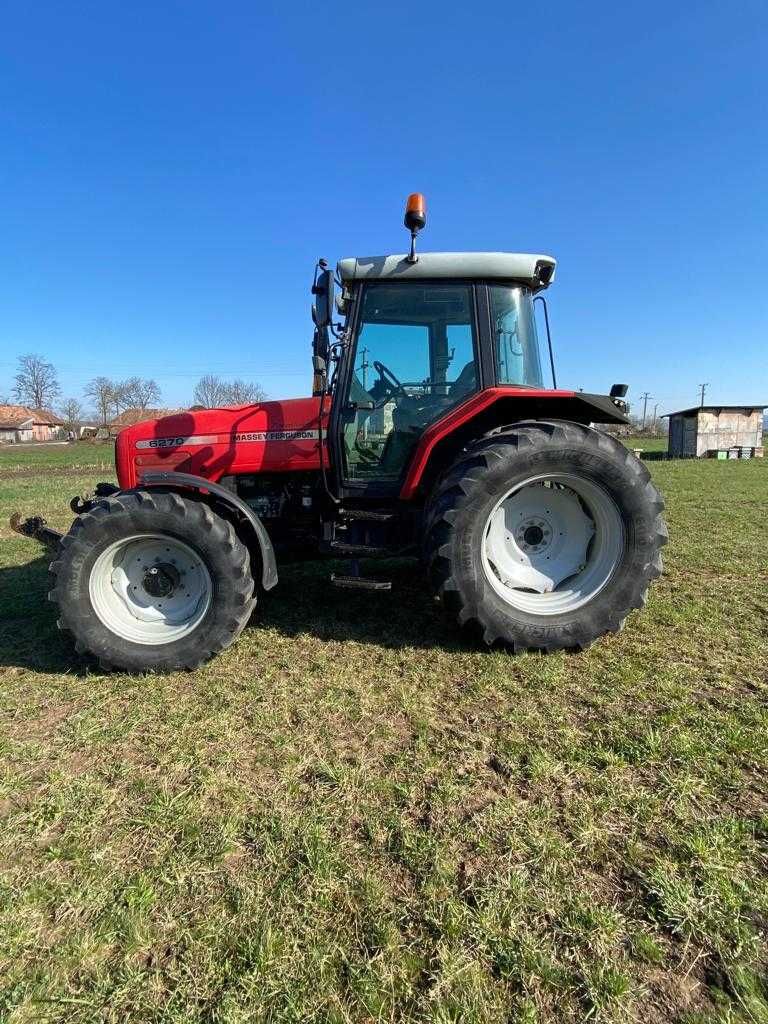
{"points": [[131, 417], [19, 423], [86, 429], [709, 429]]}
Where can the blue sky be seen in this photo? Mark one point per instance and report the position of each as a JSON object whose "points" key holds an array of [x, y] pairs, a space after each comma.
{"points": [[169, 173]]}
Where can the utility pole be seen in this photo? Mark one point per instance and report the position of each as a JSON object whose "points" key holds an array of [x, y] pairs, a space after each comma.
{"points": [[653, 424], [645, 398], [364, 367], [703, 390]]}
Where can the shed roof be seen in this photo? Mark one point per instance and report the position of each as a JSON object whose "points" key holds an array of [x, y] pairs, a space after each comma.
{"points": [[715, 408], [47, 417], [535, 269], [13, 416]]}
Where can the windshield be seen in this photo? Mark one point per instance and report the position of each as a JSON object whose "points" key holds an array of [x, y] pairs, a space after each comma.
{"points": [[515, 340]]}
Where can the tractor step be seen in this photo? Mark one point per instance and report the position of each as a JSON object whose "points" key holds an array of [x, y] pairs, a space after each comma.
{"points": [[360, 582], [340, 547], [367, 515]]}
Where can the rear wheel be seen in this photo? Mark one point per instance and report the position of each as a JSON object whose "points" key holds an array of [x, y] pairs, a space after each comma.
{"points": [[152, 582], [544, 536]]}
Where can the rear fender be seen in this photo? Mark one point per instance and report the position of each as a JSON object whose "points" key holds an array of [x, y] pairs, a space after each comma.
{"points": [[491, 408], [243, 518]]}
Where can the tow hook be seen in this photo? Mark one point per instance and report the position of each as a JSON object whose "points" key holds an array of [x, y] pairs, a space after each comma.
{"points": [[37, 528]]}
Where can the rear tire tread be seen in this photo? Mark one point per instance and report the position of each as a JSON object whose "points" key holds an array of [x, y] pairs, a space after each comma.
{"points": [[463, 483]]}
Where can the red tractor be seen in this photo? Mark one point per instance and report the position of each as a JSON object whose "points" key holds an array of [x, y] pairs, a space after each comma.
{"points": [[429, 433]]}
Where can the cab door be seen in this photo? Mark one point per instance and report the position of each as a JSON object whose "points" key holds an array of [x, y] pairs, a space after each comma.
{"points": [[414, 357]]}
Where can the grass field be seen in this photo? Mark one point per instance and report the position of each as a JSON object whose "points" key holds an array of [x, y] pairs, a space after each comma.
{"points": [[646, 444], [62, 457], [352, 816]]}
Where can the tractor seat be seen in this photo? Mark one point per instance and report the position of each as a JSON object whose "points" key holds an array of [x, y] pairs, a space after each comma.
{"points": [[466, 382]]}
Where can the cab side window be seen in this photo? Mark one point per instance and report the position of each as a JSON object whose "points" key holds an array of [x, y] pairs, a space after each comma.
{"points": [[514, 327]]}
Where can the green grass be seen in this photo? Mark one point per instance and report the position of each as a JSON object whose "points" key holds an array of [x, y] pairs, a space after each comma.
{"points": [[647, 444], [657, 444], [64, 457], [353, 816]]}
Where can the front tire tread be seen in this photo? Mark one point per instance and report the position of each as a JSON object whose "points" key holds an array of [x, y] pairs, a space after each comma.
{"points": [[194, 522]]}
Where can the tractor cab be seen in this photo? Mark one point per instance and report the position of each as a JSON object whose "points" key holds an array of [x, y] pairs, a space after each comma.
{"points": [[420, 339], [422, 335]]}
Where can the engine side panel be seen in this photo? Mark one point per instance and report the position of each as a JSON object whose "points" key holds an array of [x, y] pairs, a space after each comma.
{"points": [[267, 437]]}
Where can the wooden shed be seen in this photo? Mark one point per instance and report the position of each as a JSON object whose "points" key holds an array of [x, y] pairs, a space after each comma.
{"points": [[735, 430]]}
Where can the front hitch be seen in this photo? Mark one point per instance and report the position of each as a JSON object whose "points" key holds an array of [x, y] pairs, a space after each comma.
{"points": [[37, 528]]}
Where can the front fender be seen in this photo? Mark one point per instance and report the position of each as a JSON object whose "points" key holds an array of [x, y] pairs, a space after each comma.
{"points": [[250, 521]]}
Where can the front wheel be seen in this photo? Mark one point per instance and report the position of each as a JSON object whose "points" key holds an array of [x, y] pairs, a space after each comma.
{"points": [[152, 582], [544, 536]]}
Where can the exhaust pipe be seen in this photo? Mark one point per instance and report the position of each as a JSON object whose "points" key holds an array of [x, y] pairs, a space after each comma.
{"points": [[37, 528]]}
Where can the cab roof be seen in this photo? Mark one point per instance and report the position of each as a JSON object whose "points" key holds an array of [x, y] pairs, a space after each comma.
{"points": [[534, 269]]}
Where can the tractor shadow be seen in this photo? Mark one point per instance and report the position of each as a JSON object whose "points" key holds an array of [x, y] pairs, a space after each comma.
{"points": [[304, 603], [29, 637]]}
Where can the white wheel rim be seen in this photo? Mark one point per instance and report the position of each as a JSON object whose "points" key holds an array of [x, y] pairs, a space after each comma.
{"points": [[552, 543], [150, 588]]}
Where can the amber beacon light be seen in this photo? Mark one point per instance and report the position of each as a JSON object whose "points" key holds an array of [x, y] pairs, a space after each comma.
{"points": [[415, 220]]}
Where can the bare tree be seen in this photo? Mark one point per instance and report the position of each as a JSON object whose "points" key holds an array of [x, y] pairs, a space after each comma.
{"points": [[241, 392], [120, 396], [102, 392], [36, 382], [72, 413], [210, 391], [138, 393]]}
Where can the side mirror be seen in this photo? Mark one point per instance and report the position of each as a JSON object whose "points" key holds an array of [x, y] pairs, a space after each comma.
{"points": [[619, 390], [322, 289]]}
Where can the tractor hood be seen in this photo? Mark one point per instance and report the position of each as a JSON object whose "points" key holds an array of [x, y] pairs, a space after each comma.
{"points": [[265, 437]]}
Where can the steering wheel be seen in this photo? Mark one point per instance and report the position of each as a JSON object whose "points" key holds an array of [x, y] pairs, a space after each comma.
{"points": [[388, 378]]}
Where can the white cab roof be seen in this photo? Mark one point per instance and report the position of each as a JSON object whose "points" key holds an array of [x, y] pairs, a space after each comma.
{"points": [[534, 269]]}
